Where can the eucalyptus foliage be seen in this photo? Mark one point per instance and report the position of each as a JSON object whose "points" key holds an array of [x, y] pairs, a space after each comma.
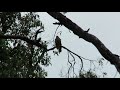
{"points": [[18, 58]]}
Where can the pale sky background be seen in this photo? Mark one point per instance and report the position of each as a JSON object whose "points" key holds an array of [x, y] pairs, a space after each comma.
{"points": [[104, 25]]}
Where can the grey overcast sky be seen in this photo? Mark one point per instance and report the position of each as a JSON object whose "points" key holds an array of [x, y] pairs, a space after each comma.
{"points": [[104, 25]]}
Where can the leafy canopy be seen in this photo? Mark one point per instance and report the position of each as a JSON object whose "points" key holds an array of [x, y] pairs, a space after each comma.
{"points": [[18, 59]]}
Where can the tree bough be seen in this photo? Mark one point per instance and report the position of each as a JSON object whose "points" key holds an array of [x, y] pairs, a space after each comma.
{"points": [[77, 30]]}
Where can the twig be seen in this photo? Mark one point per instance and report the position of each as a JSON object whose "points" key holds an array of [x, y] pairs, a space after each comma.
{"points": [[70, 65], [93, 64], [55, 32], [76, 55], [51, 48], [73, 64], [37, 32]]}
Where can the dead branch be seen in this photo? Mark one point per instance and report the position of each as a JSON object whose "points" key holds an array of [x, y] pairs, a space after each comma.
{"points": [[70, 65], [76, 55], [55, 32], [73, 64]]}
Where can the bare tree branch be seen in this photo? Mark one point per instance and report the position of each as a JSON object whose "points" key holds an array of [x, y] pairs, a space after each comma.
{"points": [[77, 30], [32, 42], [76, 55], [37, 32], [73, 65], [55, 32], [70, 65], [51, 49]]}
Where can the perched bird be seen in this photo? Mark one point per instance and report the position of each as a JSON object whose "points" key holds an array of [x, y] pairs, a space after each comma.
{"points": [[58, 44]]}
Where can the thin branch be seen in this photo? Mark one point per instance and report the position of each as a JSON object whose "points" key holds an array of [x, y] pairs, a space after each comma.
{"points": [[55, 32], [73, 64], [93, 64], [70, 65], [76, 55], [51, 49], [37, 32], [87, 59]]}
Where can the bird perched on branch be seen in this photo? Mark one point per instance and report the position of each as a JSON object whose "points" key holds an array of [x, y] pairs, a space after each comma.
{"points": [[58, 44]]}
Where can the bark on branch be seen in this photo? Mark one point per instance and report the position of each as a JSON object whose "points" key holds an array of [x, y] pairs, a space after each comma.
{"points": [[32, 42], [77, 30]]}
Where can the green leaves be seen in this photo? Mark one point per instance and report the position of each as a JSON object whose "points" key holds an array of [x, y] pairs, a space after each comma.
{"points": [[88, 74], [17, 58]]}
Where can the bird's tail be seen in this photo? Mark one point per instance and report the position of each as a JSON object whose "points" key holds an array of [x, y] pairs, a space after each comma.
{"points": [[60, 49]]}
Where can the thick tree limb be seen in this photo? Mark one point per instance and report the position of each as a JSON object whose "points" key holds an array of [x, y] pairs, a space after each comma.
{"points": [[32, 42], [77, 30]]}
